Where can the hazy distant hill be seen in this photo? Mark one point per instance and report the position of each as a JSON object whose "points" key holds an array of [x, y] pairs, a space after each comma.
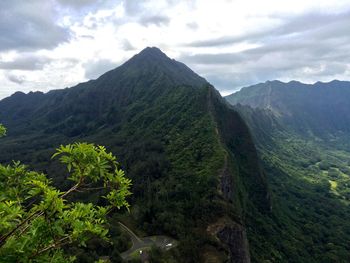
{"points": [[321, 109], [195, 171]]}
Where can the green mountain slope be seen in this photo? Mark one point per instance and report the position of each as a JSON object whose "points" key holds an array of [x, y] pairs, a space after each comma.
{"points": [[321, 109], [195, 170], [300, 132]]}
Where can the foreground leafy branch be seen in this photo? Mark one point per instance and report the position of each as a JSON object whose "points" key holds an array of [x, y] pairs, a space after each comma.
{"points": [[37, 219], [2, 130]]}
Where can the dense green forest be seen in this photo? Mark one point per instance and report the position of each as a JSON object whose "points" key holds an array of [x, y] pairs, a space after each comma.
{"points": [[301, 133], [194, 168]]}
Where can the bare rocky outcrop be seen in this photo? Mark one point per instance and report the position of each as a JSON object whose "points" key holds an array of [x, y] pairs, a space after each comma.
{"points": [[233, 237]]}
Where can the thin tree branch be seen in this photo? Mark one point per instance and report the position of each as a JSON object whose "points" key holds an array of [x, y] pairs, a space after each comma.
{"points": [[93, 188], [74, 188], [59, 243], [5, 237]]}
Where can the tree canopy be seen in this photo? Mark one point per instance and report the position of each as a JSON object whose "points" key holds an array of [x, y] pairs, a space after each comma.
{"points": [[37, 219], [2, 130]]}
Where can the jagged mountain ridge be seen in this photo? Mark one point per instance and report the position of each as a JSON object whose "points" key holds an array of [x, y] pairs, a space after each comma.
{"points": [[321, 109], [193, 164]]}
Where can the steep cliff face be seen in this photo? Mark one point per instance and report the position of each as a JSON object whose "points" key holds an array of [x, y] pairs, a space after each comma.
{"points": [[241, 178], [236, 138], [235, 237]]}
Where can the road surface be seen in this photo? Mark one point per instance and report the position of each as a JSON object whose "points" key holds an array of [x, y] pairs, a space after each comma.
{"points": [[139, 244]]}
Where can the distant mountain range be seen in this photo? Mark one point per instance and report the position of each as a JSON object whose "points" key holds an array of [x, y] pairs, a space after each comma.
{"points": [[321, 109]]}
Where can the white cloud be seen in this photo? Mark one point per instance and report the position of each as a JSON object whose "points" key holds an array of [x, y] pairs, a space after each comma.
{"points": [[231, 42]]}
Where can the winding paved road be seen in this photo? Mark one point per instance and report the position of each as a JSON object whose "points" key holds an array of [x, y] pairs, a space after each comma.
{"points": [[139, 244]]}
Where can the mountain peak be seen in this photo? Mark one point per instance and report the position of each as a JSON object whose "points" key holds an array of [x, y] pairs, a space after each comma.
{"points": [[152, 65], [152, 51], [151, 55]]}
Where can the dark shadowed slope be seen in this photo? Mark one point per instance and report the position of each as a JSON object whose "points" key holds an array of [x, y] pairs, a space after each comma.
{"points": [[321, 109]]}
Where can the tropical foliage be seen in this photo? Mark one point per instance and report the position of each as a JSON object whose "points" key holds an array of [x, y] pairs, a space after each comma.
{"points": [[37, 219], [2, 130]]}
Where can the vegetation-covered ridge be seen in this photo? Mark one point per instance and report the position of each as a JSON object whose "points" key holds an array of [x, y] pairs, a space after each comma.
{"points": [[321, 109], [301, 132], [195, 171]]}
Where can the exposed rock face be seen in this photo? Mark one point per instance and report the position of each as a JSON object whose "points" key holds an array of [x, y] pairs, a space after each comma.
{"points": [[232, 234], [235, 237], [226, 183]]}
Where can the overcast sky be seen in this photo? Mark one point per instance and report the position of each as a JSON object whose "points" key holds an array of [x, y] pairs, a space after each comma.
{"points": [[51, 44]]}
